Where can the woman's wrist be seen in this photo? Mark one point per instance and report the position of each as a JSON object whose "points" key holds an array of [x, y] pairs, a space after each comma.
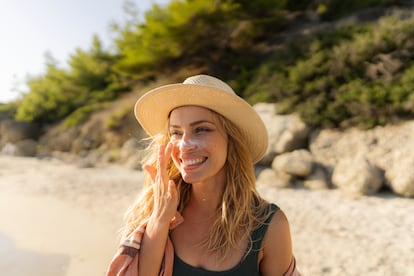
{"points": [[158, 223]]}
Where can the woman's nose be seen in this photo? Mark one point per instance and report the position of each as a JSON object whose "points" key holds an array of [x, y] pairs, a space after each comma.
{"points": [[187, 143]]}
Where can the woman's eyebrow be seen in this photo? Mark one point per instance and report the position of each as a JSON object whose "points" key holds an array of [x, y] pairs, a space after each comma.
{"points": [[194, 123]]}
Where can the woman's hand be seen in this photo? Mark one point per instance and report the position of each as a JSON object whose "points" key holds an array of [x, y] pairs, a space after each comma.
{"points": [[165, 207], [164, 189]]}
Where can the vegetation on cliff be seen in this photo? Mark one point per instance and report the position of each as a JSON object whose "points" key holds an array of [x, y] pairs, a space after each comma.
{"points": [[336, 63]]}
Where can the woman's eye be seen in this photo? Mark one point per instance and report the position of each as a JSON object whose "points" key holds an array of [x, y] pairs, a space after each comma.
{"points": [[175, 133], [202, 129]]}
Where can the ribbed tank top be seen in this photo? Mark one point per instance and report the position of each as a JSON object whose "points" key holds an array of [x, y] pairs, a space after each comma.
{"points": [[247, 266]]}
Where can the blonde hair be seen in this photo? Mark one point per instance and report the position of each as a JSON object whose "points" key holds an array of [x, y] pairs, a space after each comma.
{"points": [[242, 209]]}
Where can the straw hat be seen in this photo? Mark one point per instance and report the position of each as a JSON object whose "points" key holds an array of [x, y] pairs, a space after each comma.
{"points": [[153, 108]]}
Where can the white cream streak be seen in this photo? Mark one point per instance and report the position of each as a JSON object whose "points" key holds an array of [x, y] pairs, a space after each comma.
{"points": [[186, 143]]}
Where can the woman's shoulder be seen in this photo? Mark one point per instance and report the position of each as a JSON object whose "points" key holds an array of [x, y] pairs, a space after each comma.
{"points": [[277, 245], [278, 220], [277, 225]]}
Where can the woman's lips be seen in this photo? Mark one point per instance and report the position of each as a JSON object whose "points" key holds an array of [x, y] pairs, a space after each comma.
{"points": [[193, 162]]}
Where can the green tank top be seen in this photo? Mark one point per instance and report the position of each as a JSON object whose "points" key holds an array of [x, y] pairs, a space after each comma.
{"points": [[247, 266]]}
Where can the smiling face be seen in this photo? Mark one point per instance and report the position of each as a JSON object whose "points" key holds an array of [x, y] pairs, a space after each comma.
{"points": [[200, 144]]}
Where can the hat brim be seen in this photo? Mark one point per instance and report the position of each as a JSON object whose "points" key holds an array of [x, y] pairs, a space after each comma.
{"points": [[153, 108]]}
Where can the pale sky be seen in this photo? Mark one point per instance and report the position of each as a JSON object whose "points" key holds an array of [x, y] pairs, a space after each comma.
{"points": [[30, 28]]}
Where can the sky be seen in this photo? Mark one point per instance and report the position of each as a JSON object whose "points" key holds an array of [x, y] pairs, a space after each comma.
{"points": [[31, 28]]}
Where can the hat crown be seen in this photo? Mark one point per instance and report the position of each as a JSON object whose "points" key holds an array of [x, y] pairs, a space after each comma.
{"points": [[205, 80]]}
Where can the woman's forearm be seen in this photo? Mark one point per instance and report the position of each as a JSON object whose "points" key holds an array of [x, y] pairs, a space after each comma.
{"points": [[152, 247]]}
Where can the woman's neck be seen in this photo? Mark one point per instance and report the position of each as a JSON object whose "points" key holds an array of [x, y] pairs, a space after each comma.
{"points": [[206, 198]]}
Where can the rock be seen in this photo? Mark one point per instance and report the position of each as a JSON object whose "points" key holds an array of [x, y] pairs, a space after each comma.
{"points": [[357, 176], [378, 144], [26, 147], [134, 162], [9, 149], [60, 140], [86, 163], [267, 159], [330, 145], [286, 132], [400, 176], [271, 178], [90, 137], [131, 154], [129, 148], [296, 163], [294, 136], [390, 149], [14, 131], [318, 179]]}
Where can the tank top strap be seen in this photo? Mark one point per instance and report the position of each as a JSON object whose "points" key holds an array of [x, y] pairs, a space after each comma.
{"points": [[259, 233]]}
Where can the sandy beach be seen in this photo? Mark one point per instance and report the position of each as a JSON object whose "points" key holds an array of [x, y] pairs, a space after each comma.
{"points": [[59, 219]]}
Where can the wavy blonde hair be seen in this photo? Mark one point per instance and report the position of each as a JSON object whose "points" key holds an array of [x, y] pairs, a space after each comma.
{"points": [[242, 209]]}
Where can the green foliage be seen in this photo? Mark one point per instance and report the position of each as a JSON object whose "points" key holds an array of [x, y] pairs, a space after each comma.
{"points": [[354, 75], [334, 9], [183, 29], [59, 92], [48, 99], [259, 8], [81, 114], [91, 70], [196, 32], [330, 82], [8, 110]]}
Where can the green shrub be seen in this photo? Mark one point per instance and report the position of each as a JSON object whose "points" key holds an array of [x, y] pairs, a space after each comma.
{"points": [[81, 114], [49, 97], [59, 92], [334, 9], [8, 110], [337, 77], [325, 79]]}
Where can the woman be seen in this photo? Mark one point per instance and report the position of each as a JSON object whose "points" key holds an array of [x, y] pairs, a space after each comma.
{"points": [[200, 213]]}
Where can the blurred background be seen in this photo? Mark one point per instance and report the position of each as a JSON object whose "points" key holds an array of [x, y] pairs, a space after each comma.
{"points": [[333, 81], [335, 63], [34, 31]]}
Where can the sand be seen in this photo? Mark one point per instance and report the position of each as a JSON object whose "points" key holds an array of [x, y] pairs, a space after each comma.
{"points": [[59, 219]]}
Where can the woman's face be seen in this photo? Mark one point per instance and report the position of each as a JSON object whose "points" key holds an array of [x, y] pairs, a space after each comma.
{"points": [[200, 144]]}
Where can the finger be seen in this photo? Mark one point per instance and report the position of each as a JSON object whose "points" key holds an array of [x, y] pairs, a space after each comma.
{"points": [[166, 155], [151, 170], [169, 148], [172, 189], [163, 159], [160, 158]]}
